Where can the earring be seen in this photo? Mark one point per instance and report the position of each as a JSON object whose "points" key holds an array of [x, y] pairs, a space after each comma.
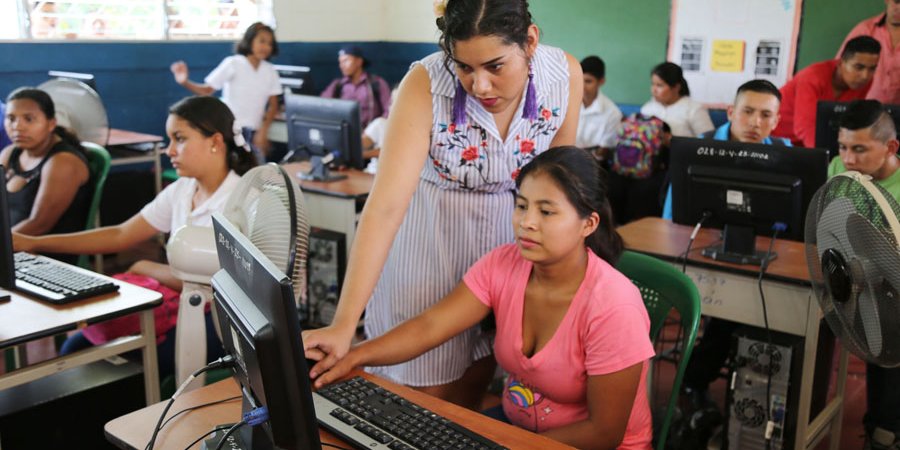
{"points": [[530, 110], [459, 105], [213, 149]]}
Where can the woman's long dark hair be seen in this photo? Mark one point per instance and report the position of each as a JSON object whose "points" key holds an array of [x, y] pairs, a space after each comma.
{"points": [[45, 103], [672, 74], [209, 116], [464, 19], [583, 181]]}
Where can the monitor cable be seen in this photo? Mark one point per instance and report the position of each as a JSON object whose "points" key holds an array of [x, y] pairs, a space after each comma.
{"points": [[770, 425], [224, 361], [684, 256]]}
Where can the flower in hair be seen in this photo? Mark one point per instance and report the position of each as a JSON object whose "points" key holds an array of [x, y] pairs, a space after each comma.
{"points": [[239, 137], [440, 7]]}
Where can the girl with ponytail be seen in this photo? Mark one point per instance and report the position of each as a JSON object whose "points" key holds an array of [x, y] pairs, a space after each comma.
{"points": [[46, 170], [572, 332], [209, 153]]}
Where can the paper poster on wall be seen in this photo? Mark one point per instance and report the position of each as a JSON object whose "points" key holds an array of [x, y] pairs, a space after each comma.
{"points": [[720, 44]]}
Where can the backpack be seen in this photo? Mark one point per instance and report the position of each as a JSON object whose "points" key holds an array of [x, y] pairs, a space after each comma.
{"points": [[638, 147]]}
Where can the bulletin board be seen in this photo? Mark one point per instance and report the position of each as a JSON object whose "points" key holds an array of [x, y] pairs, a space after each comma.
{"points": [[720, 44]]}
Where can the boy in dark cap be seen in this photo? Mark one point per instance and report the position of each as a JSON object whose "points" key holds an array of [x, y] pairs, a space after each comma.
{"points": [[370, 90]]}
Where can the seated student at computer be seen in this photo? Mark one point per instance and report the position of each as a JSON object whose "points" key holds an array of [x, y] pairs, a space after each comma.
{"points": [[867, 143], [843, 80], [600, 118], [673, 104], [370, 90], [47, 173], [572, 332], [209, 158]]}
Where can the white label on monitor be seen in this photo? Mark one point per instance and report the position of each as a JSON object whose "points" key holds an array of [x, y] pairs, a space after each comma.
{"points": [[315, 137], [735, 198]]}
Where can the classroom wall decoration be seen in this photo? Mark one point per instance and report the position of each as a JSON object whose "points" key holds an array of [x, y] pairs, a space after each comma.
{"points": [[720, 44]]}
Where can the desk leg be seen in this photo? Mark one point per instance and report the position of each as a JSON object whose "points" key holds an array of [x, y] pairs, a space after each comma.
{"points": [[157, 167], [838, 419], [151, 369]]}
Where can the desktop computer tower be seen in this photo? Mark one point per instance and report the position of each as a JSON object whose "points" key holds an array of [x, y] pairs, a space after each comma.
{"points": [[325, 272], [753, 356]]}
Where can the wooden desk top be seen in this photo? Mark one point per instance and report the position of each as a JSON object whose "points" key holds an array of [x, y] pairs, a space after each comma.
{"points": [[23, 319], [667, 240], [358, 184], [125, 137], [133, 430]]}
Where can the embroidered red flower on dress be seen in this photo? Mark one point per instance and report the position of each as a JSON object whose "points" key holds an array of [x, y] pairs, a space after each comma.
{"points": [[451, 128], [515, 174], [470, 153], [526, 146], [546, 113]]}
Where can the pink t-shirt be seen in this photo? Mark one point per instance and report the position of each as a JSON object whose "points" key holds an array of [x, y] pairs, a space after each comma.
{"points": [[606, 329]]}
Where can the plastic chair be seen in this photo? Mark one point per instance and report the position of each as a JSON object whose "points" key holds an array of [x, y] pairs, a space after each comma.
{"points": [[98, 165], [663, 288]]}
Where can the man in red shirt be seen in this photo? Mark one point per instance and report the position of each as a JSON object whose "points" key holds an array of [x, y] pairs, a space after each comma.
{"points": [[843, 80], [885, 28]]}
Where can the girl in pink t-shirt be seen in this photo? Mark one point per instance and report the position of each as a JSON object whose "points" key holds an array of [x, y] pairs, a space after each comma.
{"points": [[572, 332]]}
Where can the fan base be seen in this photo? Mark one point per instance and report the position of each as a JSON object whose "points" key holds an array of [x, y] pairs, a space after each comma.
{"points": [[755, 259]]}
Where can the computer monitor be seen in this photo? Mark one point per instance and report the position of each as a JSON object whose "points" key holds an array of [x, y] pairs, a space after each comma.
{"points": [[86, 78], [7, 267], [261, 329], [828, 117], [324, 128], [745, 189], [295, 79]]}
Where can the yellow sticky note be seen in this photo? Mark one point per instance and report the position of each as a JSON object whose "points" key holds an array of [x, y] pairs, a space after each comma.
{"points": [[727, 56]]}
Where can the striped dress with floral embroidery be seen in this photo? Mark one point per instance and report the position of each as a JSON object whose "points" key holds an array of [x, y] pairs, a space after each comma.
{"points": [[461, 209]]}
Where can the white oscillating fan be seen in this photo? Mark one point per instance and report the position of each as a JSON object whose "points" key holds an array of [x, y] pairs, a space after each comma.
{"points": [[267, 207], [852, 237], [79, 108]]}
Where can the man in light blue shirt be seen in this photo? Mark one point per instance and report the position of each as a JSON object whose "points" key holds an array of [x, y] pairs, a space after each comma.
{"points": [[751, 119]]}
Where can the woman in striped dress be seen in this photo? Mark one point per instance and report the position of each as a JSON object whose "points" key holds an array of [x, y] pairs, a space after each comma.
{"points": [[466, 119]]}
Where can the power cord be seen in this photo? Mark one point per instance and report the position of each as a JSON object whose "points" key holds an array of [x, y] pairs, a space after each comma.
{"points": [[770, 425], [214, 430], [227, 360], [253, 418], [229, 433], [684, 256], [224, 400]]}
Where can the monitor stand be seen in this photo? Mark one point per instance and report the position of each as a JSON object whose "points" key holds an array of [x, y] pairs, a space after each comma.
{"points": [[319, 171], [244, 438], [738, 247]]}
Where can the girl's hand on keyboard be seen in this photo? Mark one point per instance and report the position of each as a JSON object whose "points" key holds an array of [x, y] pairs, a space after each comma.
{"points": [[337, 371]]}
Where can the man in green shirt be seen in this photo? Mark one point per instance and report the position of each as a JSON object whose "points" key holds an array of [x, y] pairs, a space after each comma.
{"points": [[867, 141]]}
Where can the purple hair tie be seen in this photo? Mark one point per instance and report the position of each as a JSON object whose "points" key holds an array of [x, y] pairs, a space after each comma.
{"points": [[530, 111], [459, 105]]}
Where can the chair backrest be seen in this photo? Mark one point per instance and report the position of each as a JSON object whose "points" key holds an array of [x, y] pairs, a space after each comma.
{"points": [[663, 288], [98, 165]]}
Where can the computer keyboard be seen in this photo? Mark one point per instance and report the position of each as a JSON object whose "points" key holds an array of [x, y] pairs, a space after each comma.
{"points": [[57, 282], [371, 417]]}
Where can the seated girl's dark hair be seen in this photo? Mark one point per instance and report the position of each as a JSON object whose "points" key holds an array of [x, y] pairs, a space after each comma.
{"points": [[464, 19], [245, 45], [672, 74], [209, 116], [45, 103], [577, 173]]}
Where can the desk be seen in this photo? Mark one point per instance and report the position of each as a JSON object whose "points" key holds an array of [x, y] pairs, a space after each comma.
{"points": [[334, 205], [133, 431], [123, 157], [23, 319], [729, 291]]}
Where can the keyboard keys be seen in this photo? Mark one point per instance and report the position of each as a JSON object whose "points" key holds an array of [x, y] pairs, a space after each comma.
{"points": [[57, 282]]}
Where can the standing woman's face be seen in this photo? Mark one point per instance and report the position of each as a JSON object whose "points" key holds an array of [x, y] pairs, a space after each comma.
{"points": [[494, 72], [662, 91], [27, 125]]}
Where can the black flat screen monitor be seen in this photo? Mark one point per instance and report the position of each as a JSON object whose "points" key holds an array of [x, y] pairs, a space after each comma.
{"points": [[261, 329], [744, 188], [7, 267], [322, 128], [86, 78], [828, 117], [295, 79]]}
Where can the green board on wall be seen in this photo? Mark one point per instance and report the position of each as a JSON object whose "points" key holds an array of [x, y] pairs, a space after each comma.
{"points": [[632, 35]]}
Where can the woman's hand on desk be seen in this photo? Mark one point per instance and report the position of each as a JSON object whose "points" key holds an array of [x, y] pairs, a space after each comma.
{"points": [[326, 345]]}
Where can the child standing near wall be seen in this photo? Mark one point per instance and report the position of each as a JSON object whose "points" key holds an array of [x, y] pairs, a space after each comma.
{"points": [[248, 82]]}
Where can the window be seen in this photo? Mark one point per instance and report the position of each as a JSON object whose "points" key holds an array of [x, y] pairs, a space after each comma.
{"points": [[132, 19]]}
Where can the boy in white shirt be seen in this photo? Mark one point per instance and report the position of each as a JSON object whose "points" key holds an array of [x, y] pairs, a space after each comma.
{"points": [[600, 118]]}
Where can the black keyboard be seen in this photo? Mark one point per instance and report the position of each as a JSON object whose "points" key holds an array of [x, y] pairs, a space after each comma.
{"points": [[371, 417], [57, 282]]}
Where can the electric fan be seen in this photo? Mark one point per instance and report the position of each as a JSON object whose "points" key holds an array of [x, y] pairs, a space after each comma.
{"points": [[79, 108], [268, 208], [852, 236]]}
